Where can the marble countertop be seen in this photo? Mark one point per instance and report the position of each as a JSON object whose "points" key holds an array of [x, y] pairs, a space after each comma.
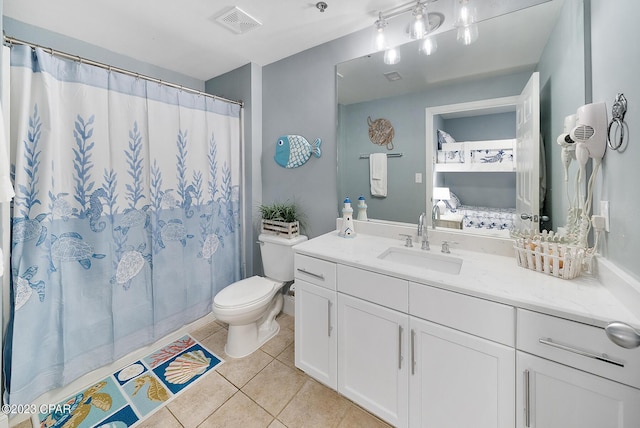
{"points": [[596, 300]]}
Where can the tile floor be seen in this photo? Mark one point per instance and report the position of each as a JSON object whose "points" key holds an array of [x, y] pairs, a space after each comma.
{"points": [[263, 390]]}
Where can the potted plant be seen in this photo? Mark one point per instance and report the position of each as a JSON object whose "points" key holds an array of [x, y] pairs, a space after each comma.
{"points": [[284, 219]]}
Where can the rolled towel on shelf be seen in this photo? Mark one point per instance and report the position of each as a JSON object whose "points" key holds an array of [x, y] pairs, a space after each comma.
{"points": [[378, 174]]}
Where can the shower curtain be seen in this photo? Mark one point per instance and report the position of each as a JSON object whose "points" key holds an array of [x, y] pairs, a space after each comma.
{"points": [[125, 222]]}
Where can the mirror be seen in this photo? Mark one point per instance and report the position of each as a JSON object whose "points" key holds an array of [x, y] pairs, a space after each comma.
{"points": [[547, 38]]}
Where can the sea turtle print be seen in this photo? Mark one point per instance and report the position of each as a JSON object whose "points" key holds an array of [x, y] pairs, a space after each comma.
{"points": [[62, 208], [211, 244], [132, 218], [70, 247], [130, 265], [24, 287], [26, 229], [173, 230]]}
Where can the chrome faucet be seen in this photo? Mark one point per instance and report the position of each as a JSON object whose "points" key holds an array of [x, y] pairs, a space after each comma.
{"points": [[422, 233], [435, 215]]}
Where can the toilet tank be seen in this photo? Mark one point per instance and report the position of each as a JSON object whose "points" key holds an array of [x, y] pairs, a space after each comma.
{"points": [[277, 256]]}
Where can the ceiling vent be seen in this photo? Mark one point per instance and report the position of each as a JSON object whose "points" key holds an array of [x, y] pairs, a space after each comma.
{"points": [[238, 21], [393, 76]]}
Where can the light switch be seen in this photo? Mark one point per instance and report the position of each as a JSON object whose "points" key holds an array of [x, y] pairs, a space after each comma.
{"points": [[418, 177]]}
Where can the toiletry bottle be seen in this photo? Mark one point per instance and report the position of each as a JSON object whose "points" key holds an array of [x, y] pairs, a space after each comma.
{"points": [[347, 230], [362, 209]]}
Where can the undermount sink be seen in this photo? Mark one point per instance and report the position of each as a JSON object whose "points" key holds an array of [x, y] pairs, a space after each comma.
{"points": [[423, 259]]}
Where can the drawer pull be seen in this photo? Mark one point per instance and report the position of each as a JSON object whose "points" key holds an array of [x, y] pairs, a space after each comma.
{"points": [[623, 335], [399, 347], [413, 352], [599, 357], [315, 275], [329, 318], [527, 399]]}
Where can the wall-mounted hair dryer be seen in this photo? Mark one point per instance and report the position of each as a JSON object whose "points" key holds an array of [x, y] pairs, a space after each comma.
{"points": [[568, 145], [590, 133]]}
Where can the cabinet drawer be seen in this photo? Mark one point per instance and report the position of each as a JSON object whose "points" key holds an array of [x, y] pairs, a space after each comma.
{"points": [[315, 271], [483, 318], [577, 345], [374, 287]]}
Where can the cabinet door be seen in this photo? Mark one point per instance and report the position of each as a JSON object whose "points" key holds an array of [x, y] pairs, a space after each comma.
{"points": [[372, 358], [551, 395], [315, 332], [459, 380]]}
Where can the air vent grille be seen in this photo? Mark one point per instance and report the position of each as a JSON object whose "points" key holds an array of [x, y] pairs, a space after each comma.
{"points": [[584, 132], [238, 21], [393, 76]]}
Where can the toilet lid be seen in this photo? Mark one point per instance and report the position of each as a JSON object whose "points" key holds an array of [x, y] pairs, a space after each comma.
{"points": [[245, 292]]}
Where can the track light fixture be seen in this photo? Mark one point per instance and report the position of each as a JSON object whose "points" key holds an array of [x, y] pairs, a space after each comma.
{"points": [[422, 24]]}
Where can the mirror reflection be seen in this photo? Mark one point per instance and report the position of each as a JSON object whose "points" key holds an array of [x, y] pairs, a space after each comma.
{"points": [[510, 48]]}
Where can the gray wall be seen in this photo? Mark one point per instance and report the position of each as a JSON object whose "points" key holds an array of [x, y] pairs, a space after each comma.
{"points": [[616, 68], [563, 86], [299, 98], [245, 83]]}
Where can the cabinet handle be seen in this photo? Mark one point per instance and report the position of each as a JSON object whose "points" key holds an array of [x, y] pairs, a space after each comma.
{"points": [[413, 351], [527, 414], [399, 347], [315, 275], [623, 335], [329, 318], [600, 357]]}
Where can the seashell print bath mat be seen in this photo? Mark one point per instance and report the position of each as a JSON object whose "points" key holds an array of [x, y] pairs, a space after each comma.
{"points": [[134, 392]]}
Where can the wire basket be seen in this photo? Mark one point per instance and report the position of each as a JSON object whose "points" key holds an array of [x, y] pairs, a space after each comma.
{"points": [[556, 259]]}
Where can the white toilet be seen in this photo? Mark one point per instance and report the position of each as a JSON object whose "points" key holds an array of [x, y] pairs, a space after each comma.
{"points": [[250, 306]]}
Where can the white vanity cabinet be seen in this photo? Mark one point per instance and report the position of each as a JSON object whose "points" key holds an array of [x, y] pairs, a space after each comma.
{"points": [[460, 379], [373, 343], [569, 375], [316, 318]]}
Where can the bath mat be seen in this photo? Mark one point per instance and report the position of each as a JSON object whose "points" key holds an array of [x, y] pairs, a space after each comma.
{"points": [[134, 392]]}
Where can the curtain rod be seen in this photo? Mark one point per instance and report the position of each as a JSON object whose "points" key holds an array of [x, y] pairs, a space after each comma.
{"points": [[10, 40]]}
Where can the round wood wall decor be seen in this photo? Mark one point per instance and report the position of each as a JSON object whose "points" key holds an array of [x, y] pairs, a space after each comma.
{"points": [[381, 132]]}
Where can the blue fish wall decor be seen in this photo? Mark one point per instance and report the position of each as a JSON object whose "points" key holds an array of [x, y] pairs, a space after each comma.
{"points": [[293, 151]]}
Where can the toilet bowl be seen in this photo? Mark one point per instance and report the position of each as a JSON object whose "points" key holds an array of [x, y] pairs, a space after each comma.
{"points": [[251, 305]]}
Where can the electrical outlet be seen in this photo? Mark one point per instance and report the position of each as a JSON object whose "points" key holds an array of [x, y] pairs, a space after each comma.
{"points": [[418, 177], [604, 212]]}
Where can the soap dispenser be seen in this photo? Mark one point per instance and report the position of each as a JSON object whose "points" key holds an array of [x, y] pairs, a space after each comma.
{"points": [[347, 230], [362, 209]]}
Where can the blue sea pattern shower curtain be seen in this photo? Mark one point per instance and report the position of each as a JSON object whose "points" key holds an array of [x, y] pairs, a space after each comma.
{"points": [[126, 217]]}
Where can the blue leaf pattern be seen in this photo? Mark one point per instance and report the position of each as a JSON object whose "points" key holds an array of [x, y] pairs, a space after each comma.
{"points": [[181, 165], [82, 163], [134, 160], [27, 195]]}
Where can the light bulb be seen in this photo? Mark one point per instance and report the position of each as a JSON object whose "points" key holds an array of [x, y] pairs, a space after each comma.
{"points": [[466, 14], [391, 56], [428, 46], [467, 34], [418, 28], [380, 40]]}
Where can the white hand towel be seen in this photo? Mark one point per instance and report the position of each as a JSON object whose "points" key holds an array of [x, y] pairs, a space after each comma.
{"points": [[378, 174]]}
